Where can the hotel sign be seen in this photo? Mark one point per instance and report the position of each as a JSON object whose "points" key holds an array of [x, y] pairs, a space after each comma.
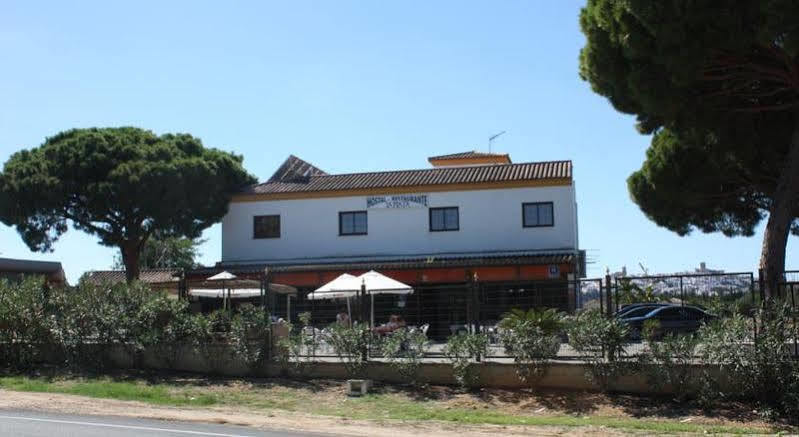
{"points": [[401, 201]]}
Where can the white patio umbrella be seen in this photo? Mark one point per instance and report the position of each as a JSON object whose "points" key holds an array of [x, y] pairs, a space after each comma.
{"points": [[378, 283], [347, 286], [224, 276], [343, 287]]}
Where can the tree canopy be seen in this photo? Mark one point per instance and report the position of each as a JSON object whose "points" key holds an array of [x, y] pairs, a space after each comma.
{"points": [[166, 252], [717, 84], [120, 184]]}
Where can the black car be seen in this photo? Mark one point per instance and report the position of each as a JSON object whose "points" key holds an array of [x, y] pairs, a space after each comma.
{"points": [[673, 319], [638, 309]]}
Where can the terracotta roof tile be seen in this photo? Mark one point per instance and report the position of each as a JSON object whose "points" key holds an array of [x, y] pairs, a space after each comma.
{"points": [[410, 178], [149, 276]]}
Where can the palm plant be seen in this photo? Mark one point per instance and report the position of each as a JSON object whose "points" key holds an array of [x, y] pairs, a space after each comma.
{"points": [[548, 320], [630, 292]]}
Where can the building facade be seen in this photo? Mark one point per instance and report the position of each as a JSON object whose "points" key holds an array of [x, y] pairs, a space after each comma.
{"points": [[18, 269], [471, 218]]}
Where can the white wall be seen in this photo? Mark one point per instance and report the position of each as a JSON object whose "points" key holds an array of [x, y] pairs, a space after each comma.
{"points": [[490, 220]]}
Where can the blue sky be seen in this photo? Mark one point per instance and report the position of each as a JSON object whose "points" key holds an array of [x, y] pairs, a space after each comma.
{"points": [[347, 85]]}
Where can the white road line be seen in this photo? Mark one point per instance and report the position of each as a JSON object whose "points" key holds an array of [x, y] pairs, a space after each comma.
{"points": [[111, 425]]}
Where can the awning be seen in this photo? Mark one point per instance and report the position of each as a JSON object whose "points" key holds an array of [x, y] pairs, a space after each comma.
{"points": [[220, 293], [240, 293]]}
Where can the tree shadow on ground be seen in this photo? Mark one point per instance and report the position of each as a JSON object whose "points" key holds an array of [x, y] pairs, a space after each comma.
{"points": [[417, 392]]}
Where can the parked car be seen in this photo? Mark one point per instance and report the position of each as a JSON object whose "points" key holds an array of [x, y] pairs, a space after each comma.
{"points": [[639, 309], [673, 319]]}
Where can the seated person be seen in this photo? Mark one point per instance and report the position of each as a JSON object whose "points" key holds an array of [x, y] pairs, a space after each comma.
{"points": [[343, 319], [394, 322]]}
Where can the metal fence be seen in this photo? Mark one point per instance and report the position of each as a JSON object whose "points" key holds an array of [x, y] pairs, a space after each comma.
{"points": [[444, 310], [440, 310], [704, 290]]}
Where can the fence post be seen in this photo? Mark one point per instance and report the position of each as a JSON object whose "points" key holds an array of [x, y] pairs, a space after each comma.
{"points": [[478, 321], [265, 292], [364, 325], [602, 292], [682, 293], [183, 292], [609, 301], [265, 310], [793, 316], [761, 283]]}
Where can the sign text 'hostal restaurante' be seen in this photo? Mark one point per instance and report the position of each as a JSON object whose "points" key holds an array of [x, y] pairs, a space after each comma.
{"points": [[474, 233]]}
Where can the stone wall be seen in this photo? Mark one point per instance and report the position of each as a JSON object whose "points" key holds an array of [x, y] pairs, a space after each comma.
{"points": [[220, 360]]}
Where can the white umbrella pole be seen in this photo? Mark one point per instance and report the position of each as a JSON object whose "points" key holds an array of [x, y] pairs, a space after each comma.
{"points": [[373, 311], [288, 308], [349, 310]]}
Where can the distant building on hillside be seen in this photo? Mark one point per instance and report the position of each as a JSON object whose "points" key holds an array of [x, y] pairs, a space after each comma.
{"points": [[17, 269], [704, 270]]}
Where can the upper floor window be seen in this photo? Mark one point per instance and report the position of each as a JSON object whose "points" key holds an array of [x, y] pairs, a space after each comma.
{"points": [[352, 223], [444, 219], [266, 226], [537, 214]]}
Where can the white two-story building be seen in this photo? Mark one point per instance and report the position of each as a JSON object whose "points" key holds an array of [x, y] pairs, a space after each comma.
{"points": [[470, 218]]}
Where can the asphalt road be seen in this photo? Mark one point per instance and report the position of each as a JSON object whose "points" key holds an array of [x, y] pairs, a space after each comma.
{"points": [[21, 423]]}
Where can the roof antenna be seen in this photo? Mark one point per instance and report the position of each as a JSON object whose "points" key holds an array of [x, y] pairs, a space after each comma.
{"points": [[491, 140]]}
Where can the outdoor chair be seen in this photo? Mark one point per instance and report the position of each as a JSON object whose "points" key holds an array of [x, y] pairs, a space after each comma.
{"points": [[424, 328]]}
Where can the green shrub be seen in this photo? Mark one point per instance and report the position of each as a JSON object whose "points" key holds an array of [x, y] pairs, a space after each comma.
{"points": [[220, 321], [650, 330], [600, 341], [670, 362], [80, 323], [25, 322], [250, 334], [532, 338], [462, 350], [297, 349], [759, 369], [351, 345], [404, 349]]}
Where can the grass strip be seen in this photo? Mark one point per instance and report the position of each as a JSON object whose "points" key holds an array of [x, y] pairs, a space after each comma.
{"points": [[371, 407], [158, 394]]}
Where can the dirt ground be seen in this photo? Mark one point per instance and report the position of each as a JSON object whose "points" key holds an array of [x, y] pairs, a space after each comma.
{"points": [[282, 420], [539, 403], [517, 402]]}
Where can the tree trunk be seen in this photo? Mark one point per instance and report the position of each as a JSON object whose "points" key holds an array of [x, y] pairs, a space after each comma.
{"points": [[781, 215], [130, 257]]}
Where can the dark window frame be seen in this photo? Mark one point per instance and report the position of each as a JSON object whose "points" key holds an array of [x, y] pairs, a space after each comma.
{"points": [[255, 235], [444, 209], [340, 227], [539, 225]]}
